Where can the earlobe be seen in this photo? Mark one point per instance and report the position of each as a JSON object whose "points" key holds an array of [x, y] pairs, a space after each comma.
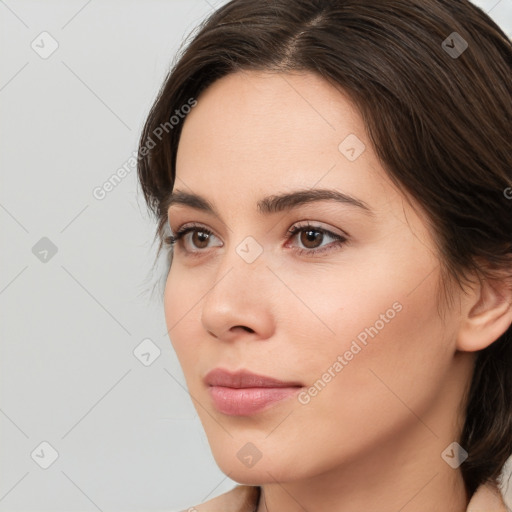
{"points": [[486, 315]]}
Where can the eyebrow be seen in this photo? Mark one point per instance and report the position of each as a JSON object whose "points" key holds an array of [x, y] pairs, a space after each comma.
{"points": [[273, 203]]}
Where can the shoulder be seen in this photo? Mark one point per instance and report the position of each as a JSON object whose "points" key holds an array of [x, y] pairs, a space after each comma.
{"points": [[487, 498], [243, 498]]}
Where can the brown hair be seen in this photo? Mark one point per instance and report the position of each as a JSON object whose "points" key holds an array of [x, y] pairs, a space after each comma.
{"points": [[438, 116]]}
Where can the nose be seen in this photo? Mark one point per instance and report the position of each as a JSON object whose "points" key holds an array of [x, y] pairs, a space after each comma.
{"points": [[240, 302]]}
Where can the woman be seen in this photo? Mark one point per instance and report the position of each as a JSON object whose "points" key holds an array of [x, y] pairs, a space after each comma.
{"points": [[333, 182]]}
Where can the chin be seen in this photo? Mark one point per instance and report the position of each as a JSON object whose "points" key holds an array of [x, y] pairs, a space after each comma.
{"points": [[263, 471]]}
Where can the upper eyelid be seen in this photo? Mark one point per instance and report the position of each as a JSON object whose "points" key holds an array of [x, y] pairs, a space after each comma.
{"points": [[297, 224]]}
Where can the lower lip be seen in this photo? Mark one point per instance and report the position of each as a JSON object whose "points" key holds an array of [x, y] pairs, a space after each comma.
{"points": [[246, 401]]}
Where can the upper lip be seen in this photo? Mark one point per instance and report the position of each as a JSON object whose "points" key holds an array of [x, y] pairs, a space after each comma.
{"points": [[244, 379]]}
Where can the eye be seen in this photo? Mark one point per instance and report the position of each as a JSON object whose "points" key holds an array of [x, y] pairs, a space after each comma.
{"points": [[199, 239], [311, 238]]}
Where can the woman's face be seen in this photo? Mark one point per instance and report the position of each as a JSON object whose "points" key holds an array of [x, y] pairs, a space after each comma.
{"points": [[355, 324]]}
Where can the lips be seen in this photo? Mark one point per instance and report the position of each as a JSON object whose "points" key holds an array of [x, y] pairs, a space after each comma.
{"points": [[244, 379], [244, 393]]}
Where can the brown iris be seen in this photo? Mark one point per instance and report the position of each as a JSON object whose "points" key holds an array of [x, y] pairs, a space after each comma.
{"points": [[310, 236]]}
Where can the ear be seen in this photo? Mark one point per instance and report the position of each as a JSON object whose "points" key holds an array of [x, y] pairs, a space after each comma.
{"points": [[486, 314]]}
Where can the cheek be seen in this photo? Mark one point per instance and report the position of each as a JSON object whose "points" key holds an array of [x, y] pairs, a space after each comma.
{"points": [[357, 296], [182, 302], [389, 346], [380, 306]]}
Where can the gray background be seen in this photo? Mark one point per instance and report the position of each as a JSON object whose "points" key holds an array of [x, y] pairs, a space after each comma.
{"points": [[124, 428]]}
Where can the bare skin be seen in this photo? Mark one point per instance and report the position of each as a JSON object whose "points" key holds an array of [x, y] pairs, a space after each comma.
{"points": [[372, 438]]}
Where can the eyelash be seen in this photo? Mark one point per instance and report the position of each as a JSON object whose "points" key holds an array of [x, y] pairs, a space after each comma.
{"points": [[339, 240]]}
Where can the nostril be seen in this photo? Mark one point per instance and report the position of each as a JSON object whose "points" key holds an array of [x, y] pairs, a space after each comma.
{"points": [[248, 329]]}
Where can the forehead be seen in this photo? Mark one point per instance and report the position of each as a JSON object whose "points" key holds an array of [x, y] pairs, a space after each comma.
{"points": [[257, 133], [244, 110]]}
